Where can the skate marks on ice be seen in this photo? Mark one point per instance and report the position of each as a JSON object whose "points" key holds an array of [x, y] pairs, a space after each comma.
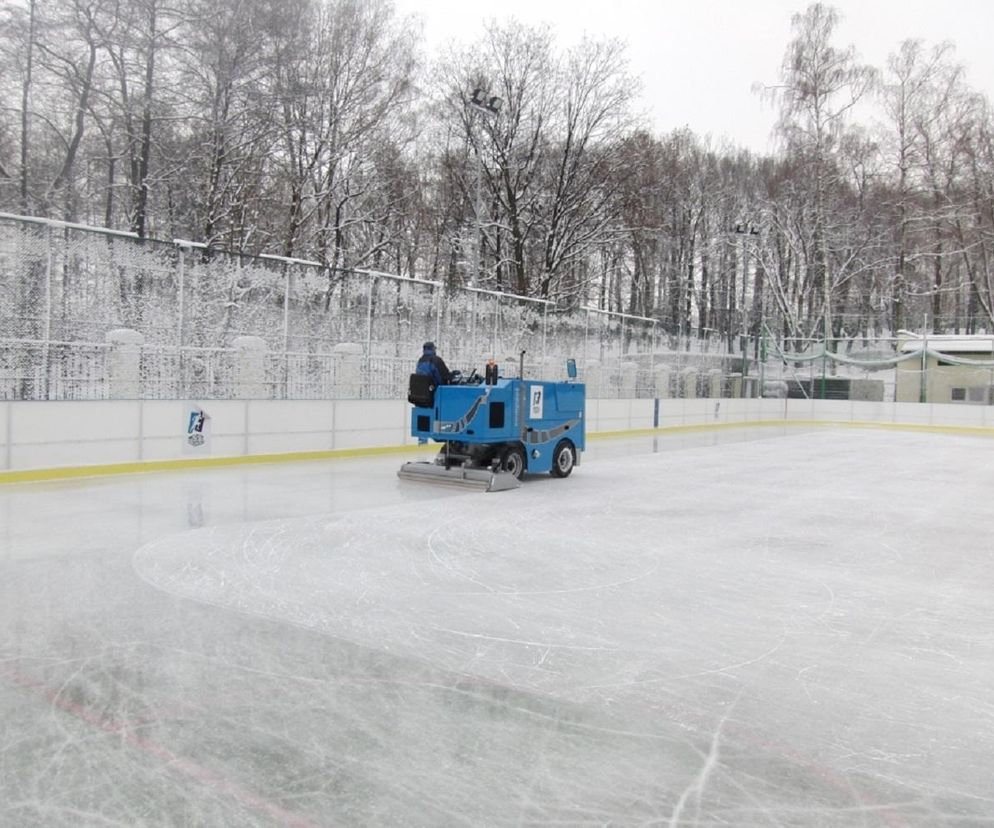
{"points": [[784, 632]]}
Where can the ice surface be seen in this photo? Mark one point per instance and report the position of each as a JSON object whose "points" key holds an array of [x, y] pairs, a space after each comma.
{"points": [[767, 627]]}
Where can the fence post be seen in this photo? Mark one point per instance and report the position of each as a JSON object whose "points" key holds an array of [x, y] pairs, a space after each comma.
{"points": [[923, 395], [714, 382], [123, 366], [180, 310], [180, 299], [586, 324], [762, 357], [496, 328], [545, 324], [348, 360], [593, 378], [689, 383], [439, 306], [369, 322], [629, 374], [661, 375], [990, 391], [652, 349], [47, 332], [250, 368]]}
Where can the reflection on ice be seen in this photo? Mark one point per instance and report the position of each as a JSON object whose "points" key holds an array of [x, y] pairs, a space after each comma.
{"points": [[781, 632]]}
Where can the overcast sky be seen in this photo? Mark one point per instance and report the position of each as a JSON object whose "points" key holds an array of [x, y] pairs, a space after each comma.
{"points": [[699, 58]]}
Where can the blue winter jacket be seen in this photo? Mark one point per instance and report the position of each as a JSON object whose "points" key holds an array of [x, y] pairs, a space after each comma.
{"points": [[431, 364]]}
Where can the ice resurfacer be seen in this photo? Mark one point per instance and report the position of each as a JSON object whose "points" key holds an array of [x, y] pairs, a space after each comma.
{"points": [[495, 429]]}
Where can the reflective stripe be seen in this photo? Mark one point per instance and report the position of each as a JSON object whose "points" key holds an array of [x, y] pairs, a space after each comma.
{"points": [[533, 437]]}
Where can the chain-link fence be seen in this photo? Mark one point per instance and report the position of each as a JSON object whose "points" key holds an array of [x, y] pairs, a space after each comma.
{"points": [[68, 293], [80, 308], [913, 367]]}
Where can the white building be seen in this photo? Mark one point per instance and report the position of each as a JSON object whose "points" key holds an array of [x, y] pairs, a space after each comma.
{"points": [[950, 369]]}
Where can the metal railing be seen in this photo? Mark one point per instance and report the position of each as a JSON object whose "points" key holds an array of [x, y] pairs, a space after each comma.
{"points": [[65, 289]]}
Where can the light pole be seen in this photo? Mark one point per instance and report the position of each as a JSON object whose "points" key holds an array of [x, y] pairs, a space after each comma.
{"points": [[744, 230], [487, 105]]}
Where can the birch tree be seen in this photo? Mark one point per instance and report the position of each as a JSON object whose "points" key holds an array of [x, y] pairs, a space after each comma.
{"points": [[819, 88], [911, 76]]}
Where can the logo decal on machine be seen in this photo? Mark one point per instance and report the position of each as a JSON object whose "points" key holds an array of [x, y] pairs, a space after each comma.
{"points": [[535, 395], [457, 426]]}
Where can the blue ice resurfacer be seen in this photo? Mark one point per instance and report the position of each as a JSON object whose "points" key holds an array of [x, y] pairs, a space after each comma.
{"points": [[495, 429]]}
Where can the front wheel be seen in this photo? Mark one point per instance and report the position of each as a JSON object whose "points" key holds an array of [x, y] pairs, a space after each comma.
{"points": [[512, 460], [563, 459]]}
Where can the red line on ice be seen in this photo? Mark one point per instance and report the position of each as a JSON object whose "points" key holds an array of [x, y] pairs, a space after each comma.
{"points": [[173, 760]]}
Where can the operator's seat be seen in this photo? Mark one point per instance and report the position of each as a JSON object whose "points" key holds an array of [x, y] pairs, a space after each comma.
{"points": [[421, 391]]}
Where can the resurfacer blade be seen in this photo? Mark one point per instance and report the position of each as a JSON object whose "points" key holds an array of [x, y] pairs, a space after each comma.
{"points": [[481, 480]]}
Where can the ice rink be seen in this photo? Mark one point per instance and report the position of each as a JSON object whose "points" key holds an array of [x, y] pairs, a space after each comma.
{"points": [[758, 627]]}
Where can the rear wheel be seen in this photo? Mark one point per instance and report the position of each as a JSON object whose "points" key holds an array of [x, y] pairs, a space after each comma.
{"points": [[512, 459], [563, 459]]}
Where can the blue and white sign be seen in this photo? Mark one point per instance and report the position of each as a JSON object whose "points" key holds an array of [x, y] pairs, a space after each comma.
{"points": [[535, 396], [197, 438]]}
